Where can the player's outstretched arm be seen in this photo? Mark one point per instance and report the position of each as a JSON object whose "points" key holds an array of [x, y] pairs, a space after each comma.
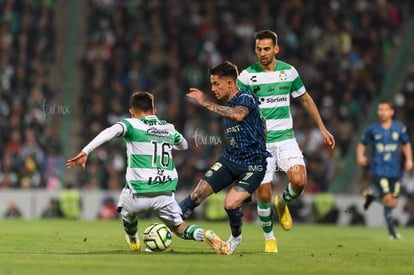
{"points": [[310, 107], [328, 138], [78, 159], [362, 160], [104, 136], [237, 113], [408, 153]]}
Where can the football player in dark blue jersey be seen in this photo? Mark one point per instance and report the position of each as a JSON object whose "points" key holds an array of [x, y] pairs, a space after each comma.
{"points": [[387, 138], [243, 162]]}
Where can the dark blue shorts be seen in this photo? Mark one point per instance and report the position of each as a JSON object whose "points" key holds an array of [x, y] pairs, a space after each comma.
{"points": [[224, 173], [388, 185]]}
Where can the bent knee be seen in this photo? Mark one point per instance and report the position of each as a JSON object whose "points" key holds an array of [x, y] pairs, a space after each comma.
{"points": [[264, 193], [390, 201], [297, 176], [230, 205]]}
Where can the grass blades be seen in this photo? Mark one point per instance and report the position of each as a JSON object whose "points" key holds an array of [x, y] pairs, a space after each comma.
{"points": [[97, 247]]}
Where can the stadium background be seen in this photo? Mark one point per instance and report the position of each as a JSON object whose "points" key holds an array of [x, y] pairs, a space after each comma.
{"points": [[67, 69]]}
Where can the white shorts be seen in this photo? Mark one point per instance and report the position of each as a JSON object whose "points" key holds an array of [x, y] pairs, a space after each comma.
{"points": [[285, 154], [165, 207]]}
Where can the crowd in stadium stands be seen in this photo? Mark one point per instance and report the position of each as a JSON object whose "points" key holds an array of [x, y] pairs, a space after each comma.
{"points": [[165, 47], [29, 147], [404, 102]]}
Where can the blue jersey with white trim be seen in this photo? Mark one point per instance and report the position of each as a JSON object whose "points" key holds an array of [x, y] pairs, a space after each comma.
{"points": [[246, 140], [386, 148]]}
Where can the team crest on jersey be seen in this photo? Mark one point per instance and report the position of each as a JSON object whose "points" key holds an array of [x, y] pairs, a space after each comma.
{"points": [[209, 173], [395, 135], [282, 75]]}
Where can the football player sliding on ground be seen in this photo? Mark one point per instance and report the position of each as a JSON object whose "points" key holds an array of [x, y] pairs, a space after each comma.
{"points": [[151, 177]]}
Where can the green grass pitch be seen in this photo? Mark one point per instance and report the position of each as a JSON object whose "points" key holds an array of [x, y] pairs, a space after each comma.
{"points": [[97, 247]]}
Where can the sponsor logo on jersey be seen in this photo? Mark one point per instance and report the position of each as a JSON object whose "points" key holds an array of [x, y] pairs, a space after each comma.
{"points": [[157, 132], [391, 147], [216, 166], [234, 129], [275, 99], [159, 180], [377, 137]]}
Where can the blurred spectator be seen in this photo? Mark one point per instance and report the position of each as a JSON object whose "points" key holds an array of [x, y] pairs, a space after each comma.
{"points": [[356, 217], [407, 183], [9, 171], [12, 211], [295, 208], [107, 211], [409, 209], [325, 209], [213, 210], [26, 53], [70, 202], [52, 210]]}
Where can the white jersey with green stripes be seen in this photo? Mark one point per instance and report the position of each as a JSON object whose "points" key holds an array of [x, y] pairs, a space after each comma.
{"points": [[149, 142], [274, 90]]}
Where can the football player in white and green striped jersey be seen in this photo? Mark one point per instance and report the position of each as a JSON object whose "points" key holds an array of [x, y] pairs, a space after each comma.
{"points": [[151, 177], [274, 82]]}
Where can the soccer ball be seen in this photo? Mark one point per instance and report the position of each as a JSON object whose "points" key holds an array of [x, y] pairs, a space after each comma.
{"points": [[157, 237]]}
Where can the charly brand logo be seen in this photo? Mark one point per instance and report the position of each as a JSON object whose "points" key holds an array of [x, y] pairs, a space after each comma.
{"points": [[54, 109], [157, 132], [206, 139]]}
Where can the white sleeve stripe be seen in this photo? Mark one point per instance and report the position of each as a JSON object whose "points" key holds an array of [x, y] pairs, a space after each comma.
{"points": [[181, 145], [299, 92], [123, 128]]}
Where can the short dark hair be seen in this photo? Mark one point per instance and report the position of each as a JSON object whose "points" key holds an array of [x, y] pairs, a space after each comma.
{"points": [[384, 101], [266, 34], [225, 69], [142, 101]]}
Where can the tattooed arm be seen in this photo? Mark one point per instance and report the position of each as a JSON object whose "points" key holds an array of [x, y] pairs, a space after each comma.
{"points": [[237, 113]]}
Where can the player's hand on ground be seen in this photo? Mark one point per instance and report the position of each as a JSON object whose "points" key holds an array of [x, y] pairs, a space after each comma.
{"points": [[78, 159]]}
